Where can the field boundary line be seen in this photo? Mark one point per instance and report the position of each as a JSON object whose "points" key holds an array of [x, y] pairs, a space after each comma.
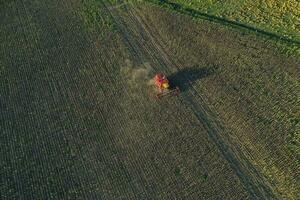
{"points": [[234, 24]]}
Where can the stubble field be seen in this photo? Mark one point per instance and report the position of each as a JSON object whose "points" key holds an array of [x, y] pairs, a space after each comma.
{"points": [[77, 120]]}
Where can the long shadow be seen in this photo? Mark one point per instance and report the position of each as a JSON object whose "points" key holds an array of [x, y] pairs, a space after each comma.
{"points": [[186, 77], [192, 12]]}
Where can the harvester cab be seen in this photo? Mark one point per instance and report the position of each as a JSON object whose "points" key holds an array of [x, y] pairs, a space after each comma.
{"points": [[163, 86]]}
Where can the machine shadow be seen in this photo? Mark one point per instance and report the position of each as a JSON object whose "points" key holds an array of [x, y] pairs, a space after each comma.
{"points": [[186, 77]]}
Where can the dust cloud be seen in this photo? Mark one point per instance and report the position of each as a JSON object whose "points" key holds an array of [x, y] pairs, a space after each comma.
{"points": [[137, 76]]}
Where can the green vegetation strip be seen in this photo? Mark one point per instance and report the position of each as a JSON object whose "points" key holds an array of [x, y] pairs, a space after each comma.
{"points": [[94, 17], [280, 16], [293, 45]]}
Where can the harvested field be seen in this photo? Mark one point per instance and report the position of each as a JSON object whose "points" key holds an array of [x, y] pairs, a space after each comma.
{"points": [[78, 122]]}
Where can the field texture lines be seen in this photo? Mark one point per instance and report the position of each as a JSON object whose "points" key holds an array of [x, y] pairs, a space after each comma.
{"points": [[78, 119]]}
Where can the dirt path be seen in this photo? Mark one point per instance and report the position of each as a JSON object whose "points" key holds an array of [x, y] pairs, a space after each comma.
{"points": [[144, 46]]}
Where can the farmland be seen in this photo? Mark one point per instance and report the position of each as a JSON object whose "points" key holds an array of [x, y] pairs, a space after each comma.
{"points": [[282, 16], [77, 120]]}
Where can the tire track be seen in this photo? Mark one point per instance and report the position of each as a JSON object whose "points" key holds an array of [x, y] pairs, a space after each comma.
{"points": [[251, 179]]}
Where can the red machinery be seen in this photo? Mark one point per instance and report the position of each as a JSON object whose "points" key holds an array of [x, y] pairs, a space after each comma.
{"points": [[163, 86]]}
